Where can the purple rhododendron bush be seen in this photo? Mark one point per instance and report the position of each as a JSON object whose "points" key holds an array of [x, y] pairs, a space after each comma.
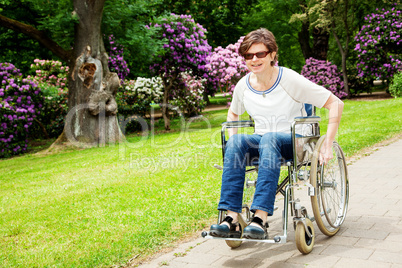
{"points": [[117, 63], [20, 101], [185, 50], [379, 45], [326, 74]]}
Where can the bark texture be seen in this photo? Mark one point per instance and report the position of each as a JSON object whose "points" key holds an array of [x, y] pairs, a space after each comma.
{"points": [[320, 43], [91, 120]]}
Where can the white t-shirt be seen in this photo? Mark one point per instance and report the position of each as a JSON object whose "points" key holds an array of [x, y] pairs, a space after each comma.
{"points": [[274, 110]]}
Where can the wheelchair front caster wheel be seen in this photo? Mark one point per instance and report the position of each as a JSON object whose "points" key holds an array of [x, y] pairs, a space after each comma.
{"points": [[233, 244], [237, 243], [304, 242], [204, 234]]}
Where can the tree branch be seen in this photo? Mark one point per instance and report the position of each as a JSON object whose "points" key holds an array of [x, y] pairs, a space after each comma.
{"points": [[40, 36], [338, 41]]}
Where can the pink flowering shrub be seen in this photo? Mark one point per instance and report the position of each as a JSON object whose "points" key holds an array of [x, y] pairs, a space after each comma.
{"points": [[226, 67], [20, 103], [379, 45], [190, 98], [50, 74], [325, 74], [51, 77]]}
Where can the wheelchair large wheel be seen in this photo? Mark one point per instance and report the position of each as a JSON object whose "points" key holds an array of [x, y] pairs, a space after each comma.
{"points": [[304, 242], [331, 185]]}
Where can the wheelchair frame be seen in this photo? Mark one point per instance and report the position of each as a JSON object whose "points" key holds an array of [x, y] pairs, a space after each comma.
{"points": [[307, 158]]}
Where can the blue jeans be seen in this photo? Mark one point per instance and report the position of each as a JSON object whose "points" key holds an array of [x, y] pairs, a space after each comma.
{"points": [[240, 149]]}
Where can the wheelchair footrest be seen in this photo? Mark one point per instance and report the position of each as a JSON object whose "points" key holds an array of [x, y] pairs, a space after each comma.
{"points": [[276, 240]]}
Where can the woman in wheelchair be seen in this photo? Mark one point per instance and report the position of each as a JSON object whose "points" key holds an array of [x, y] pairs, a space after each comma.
{"points": [[273, 96]]}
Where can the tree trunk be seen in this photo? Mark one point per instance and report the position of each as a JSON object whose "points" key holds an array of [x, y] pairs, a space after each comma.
{"points": [[304, 40], [344, 53], [320, 43], [345, 75], [165, 109], [206, 97], [319, 50], [91, 119], [168, 83]]}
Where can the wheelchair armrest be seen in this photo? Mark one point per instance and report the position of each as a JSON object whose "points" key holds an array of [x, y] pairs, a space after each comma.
{"points": [[315, 130], [307, 119], [238, 124]]}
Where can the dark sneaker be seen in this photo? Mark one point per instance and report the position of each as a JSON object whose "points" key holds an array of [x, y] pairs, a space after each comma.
{"points": [[222, 230], [254, 232]]}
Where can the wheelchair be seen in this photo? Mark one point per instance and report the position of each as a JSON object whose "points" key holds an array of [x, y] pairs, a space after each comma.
{"points": [[327, 186]]}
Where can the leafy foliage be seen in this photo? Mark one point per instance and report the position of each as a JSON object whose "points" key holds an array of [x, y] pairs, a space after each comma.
{"points": [[20, 101], [379, 45], [326, 74], [287, 34], [16, 47], [56, 19], [126, 20], [396, 86], [223, 19]]}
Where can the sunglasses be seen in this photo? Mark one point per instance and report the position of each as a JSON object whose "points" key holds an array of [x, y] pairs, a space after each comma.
{"points": [[260, 55]]}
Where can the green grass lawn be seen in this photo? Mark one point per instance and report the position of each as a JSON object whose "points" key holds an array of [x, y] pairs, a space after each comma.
{"points": [[219, 99], [101, 207]]}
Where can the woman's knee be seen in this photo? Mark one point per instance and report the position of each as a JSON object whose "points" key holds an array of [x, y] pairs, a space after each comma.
{"points": [[276, 139], [240, 141]]}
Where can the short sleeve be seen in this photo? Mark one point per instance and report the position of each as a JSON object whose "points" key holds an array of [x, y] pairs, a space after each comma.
{"points": [[237, 104], [303, 90]]}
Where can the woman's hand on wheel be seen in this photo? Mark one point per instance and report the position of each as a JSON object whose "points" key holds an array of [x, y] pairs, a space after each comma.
{"points": [[325, 153]]}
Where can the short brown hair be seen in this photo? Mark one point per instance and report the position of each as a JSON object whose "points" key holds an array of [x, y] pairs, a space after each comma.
{"points": [[260, 36]]}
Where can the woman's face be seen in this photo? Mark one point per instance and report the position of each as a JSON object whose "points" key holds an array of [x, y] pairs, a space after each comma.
{"points": [[259, 65]]}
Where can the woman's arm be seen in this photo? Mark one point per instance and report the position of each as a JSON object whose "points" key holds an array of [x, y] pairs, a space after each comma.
{"points": [[232, 117], [335, 108]]}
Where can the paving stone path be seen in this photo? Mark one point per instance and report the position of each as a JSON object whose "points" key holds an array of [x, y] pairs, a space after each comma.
{"points": [[371, 235]]}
